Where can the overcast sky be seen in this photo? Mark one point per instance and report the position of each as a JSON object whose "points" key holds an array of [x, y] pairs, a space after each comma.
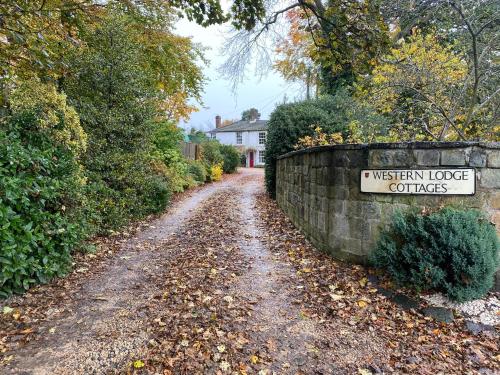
{"points": [[218, 99]]}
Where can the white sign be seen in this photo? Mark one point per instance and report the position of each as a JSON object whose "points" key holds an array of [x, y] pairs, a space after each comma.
{"points": [[459, 181]]}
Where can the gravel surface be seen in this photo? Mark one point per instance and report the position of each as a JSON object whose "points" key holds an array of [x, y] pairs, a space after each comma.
{"points": [[224, 284]]}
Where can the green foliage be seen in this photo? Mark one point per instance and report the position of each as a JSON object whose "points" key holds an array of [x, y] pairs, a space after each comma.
{"points": [[231, 158], [250, 114], [115, 99], [197, 136], [198, 171], [40, 204], [451, 250], [211, 152], [289, 122], [54, 117]]}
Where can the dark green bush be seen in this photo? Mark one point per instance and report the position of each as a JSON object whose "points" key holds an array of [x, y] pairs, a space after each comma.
{"points": [[454, 251], [40, 205], [289, 122], [211, 152], [198, 171], [114, 98], [337, 113], [231, 158]]}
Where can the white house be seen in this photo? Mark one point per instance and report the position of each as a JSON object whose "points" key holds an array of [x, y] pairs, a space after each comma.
{"points": [[248, 136]]}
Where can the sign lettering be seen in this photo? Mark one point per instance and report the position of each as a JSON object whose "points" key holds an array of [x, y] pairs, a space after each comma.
{"points": [[459, 181]]}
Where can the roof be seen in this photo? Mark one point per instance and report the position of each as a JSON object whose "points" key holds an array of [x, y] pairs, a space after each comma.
{"points": [[243, 126]]}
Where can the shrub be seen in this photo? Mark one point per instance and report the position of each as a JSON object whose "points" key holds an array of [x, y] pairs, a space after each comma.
{"points": [[211, 152], [216, 172], [40, 203], [339, 113], [451, 250], [289, 122], [114, 98], [198, 171], [231, 158]]}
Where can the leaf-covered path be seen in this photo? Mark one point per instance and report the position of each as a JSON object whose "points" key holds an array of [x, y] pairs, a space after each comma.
{"points": [[223, 283]]}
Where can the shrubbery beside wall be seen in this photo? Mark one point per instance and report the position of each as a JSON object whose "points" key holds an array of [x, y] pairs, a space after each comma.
{"points": [[319, 189]]}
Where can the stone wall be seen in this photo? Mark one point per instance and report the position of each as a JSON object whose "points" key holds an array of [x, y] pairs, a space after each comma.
{"points": [[319, 189]]}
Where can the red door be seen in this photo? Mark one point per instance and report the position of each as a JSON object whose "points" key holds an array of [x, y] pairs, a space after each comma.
{"points": [[251, 159]]}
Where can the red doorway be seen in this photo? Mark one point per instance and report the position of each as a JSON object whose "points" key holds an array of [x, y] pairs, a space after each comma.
{"points": [[251, 159]]}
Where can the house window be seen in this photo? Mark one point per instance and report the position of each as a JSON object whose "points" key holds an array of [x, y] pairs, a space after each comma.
{"points": [[262, 138], [262, 157], [239, 138]]}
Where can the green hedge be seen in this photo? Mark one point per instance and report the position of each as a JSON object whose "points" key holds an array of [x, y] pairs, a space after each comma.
{"points": [[289, 122], [40, 206], [231, 158], [454, 251]]}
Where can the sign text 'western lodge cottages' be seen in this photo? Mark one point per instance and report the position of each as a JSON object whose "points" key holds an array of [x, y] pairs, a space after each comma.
{"points": [[459, 181]]}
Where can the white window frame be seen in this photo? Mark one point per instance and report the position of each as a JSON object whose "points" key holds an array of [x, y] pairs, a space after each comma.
{"points": [[239, 138], [262, 157], [262, 138]]}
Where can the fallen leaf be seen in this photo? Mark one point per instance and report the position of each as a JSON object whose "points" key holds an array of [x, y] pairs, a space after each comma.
{"points": [[336, 297], [138, 364], [224, 366], [254, 359], [7, 310], [363, 282], [362, 303]]}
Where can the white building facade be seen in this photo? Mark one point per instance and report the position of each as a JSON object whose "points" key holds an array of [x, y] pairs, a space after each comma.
{"points": [[248, 136]]}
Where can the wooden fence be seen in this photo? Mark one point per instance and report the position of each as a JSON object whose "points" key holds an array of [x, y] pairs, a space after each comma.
{"points": [[191, 150]]}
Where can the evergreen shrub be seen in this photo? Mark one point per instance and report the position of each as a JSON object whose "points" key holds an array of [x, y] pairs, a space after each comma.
{"points": [[289, 122], [231, 158], [198, 171], [40, 204], [454, 251]]}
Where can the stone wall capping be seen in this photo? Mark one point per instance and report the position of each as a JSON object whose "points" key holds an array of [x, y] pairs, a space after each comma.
{"points": [[395, 145]]}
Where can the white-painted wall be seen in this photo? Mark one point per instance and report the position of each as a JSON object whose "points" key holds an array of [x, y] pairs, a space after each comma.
{"points": [[250, 139]]}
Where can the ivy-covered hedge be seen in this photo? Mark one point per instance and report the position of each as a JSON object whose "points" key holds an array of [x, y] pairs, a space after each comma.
{"points": [[454, 251]]}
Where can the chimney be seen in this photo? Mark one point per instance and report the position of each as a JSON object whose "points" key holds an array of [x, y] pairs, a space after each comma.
{"points": [[217, 122]]}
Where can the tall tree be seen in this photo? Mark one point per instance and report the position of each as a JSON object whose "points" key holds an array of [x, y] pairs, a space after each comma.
{"points": [[348, 37], [250, 114], [471, 29], [296, 61]]}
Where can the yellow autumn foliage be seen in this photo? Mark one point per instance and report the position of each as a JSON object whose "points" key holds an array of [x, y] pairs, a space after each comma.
{"points": [[216, 172], [420, 79], [54, 115], [319, 138]]}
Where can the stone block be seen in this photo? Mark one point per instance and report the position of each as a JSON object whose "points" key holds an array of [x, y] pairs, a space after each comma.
{"points": [[325, 158], [337, 206], [426, 158], [490, 178], [322, 222], [454, 157], [363, 209], [379, 158], [495, 200], [390, 158], [340, 159], [477, 158], [494, 158], [338, 226]]}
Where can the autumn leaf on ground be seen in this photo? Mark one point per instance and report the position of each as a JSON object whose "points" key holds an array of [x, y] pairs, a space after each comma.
{"points": [[7, 310], [138, 364]]}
